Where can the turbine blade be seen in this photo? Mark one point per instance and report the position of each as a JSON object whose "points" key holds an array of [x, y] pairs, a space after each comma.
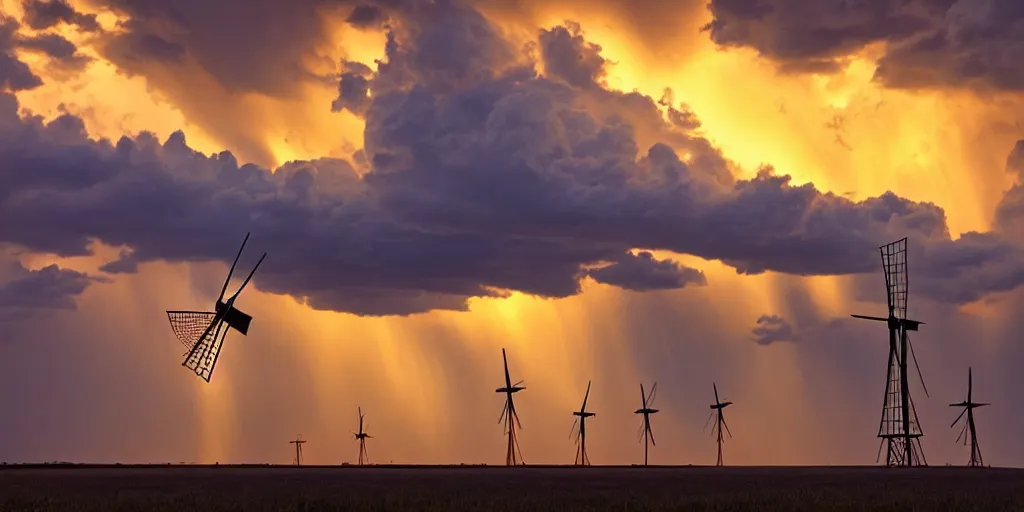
{"points": [[585, 397], [970, 383], [958, 417], [515, 415], [224, 289], [726, 424], [572, 431], [650, 432], [914, 356], [249, 277], [708, 422], [504, 359], [716, 392], [504, 411], [653, 394], [643, 396]]}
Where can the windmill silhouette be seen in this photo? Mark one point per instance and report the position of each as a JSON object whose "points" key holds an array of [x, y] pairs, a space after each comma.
{"points": [[579, 427], [645, 431], [203, 332], [968, 432], [361, 436], [298, 442], [899, 428], [509, 416], [720, 424]]}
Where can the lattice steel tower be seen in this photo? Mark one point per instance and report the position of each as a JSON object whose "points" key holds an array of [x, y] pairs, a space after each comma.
{"points": [[899, 428]]}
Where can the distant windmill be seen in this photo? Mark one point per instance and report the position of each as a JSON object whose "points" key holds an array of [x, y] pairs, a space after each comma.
{"points": [[899, 427], [717, 429], [361, 436], [298, 442], [968, 432], [581, 431], [645, 431], [509, 416], [203, 332]]}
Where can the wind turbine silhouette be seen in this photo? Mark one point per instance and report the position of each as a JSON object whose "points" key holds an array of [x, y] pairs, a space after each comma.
{"points": [[581, 432], [968, 433], [717, 430], [645, 426]]}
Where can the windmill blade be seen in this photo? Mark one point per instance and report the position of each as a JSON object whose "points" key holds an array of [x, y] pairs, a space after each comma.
{"points": [[360, 409], [951, 425], [515, 415], [249, 277], [725, 424], [919, 375], [520, 384], [224, 289], [204, 354], [504, 411], [716, 393], [585, 397], [504, 359], [643, 396], [653, 394], [572, 431], [708, 422], [650, 431], [963, 434], [970, 383], [641, 431]]}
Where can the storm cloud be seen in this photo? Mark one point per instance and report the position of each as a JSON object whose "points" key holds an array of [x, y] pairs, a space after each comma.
{"points": [[484, 177], [929, 43]]}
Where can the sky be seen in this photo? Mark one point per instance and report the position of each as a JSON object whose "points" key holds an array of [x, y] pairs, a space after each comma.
{"points": [[614, 191]]}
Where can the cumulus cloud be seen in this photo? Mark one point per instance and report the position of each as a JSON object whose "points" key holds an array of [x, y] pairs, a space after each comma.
{"points": [[15, 75], [483, 177], [930, 43], [45, 14], [642, 272], [27, 293], [773, 329]]}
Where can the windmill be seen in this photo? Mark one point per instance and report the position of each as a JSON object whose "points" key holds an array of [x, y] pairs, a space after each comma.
{"points": [[361, 436], [968, 431], [899, 428], [509, 416], [298, 442], [581, 431], [645, 431], [717, 430], [203, 332]]}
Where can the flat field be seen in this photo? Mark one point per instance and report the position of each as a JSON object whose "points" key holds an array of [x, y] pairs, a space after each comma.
{"points": [[494, 489]]}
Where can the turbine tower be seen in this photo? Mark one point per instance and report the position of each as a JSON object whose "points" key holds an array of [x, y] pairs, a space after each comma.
{"points": [[968, 431], [361, 436], [720, 424], [899, 428], [298, 442], [645, 432], [509, 416], [581, 432]]}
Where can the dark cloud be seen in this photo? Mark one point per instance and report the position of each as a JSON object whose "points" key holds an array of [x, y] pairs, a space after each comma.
{"points": [[45, 14], [27, 293], [566, 55], [366, 17], [483, 177], [642, 272], [55, 46], [15, 75], [773, 329], [930, 43]]}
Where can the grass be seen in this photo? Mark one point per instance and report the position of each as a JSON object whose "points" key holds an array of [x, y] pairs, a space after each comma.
{"points": [[515, 489]]}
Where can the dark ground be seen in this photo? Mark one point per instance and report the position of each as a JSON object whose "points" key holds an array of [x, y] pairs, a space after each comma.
{"points": [[558, 489]]}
